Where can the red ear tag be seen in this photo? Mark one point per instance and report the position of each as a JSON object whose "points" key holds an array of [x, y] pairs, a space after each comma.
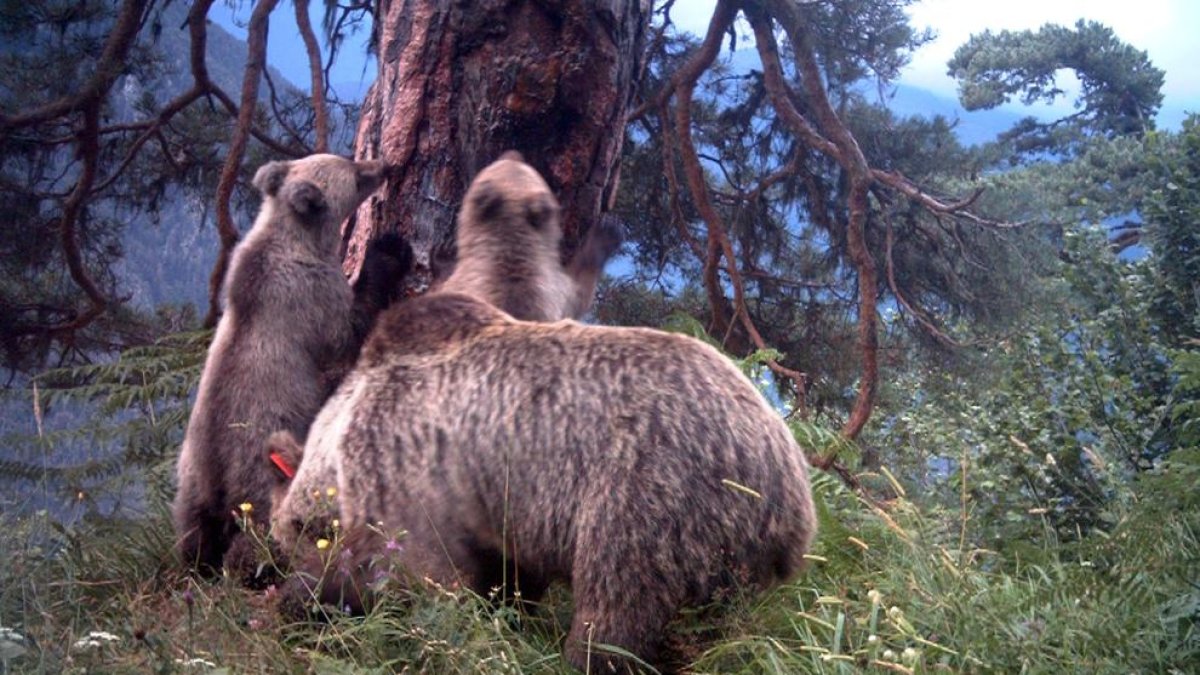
{"points": [[283, 466]]}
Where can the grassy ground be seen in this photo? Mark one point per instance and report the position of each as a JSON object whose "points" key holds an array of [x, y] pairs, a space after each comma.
{"points": [[899, 589]]}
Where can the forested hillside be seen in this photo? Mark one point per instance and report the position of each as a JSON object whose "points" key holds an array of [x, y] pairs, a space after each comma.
{"points": [[983, 329]]}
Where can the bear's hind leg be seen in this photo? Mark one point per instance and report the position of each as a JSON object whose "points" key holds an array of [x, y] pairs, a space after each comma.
{"points": [[203, 535], [623, 597]]}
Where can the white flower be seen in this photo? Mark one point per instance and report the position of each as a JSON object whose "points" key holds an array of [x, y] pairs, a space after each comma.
{"points": [[94, 639], [196, 662], [12, 644]]}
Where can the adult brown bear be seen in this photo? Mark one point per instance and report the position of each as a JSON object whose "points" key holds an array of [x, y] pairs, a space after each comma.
{"points": [[641, 467]]}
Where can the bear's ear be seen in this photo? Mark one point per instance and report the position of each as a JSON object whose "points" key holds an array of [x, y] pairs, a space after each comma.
{"points": [[285, 454], [542, 212], [269, 178], [487, 199], [512, 155], [370, 175], [305, 199]]}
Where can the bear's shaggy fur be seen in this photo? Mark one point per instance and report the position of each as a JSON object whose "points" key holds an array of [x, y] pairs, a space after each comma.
{"points": [[508, 255], [641, 467], [291, 325], [508, 246]]}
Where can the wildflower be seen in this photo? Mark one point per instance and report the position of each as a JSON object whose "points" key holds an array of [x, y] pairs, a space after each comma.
{"points": [[12, 644], [336, 524], [95, 639], [873, 640], [188, 598], [330, 492], [322, 544], [254, 624], [246, 507], [195, 662], [894, 613], [889, 655], [1050, 460], [874, 596], [392, 545], [910, 655]]}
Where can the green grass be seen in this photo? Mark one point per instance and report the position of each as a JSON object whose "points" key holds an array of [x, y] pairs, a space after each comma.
{"points": [[897, 589]]}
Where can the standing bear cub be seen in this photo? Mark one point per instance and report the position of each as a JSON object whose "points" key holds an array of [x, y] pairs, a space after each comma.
{"points": [[641, 467], [291, 324], [508, 241]]}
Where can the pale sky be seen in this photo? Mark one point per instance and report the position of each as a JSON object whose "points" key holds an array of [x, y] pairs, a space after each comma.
{"points": [[1166, 29]]}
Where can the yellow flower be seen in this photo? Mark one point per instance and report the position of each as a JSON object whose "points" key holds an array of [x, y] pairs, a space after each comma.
{"points": [[336, 524], [322, 544], [246, 507], [330, 491]]}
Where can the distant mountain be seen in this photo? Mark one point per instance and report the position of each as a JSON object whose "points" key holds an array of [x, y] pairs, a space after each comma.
{"points": [[972, 128], [169, 255]]}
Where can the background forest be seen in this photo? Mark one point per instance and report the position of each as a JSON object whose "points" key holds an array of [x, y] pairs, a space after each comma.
{"points": [[984, 331]]}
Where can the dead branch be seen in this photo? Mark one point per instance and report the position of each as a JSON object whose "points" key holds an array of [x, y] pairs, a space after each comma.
{"points": [[719, 244], [89, 153], [958, 209], [787, 170], [918, 313], [836, 141], [112, 61], [256, 48], [669, 154], [691, 71], [321, 121], [202, 84], [273, 96]]}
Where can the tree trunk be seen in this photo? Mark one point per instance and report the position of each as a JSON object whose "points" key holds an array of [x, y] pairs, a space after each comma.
{"points": [[459, 83]]}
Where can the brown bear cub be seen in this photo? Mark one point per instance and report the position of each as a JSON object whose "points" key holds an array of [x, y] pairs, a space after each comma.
{"points": [[508, 247], [641, 467], [291, 324]]}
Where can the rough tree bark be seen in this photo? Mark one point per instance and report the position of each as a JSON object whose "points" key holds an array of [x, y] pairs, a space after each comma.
{"points": [[459, 83]]}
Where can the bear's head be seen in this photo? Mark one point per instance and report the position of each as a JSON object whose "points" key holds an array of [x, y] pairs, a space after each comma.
{"points": [[510, 200], [284, 453], [319, 190]]}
